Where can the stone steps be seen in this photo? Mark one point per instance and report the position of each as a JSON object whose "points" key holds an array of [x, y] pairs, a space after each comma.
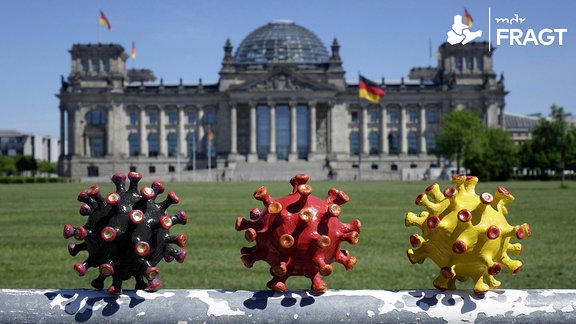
{"points": [[277, 171]]}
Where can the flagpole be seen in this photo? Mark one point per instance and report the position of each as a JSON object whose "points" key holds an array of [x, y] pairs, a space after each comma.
{"points": [[429, 51], [194, 158], [99, 11], [360, 135], [209, 154], [102, 20], [178, 150], [360, 164], [133, 54], [372, 92]]}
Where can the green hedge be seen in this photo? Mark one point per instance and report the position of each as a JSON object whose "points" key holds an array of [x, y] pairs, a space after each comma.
{"points": [[544, 177], [18, 179]]}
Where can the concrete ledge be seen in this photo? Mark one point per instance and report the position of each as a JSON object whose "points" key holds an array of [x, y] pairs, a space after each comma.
{"points": [[220, 306]]}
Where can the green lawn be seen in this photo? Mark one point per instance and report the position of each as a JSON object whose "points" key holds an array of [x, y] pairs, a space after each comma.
{"points": [[33, 252]]}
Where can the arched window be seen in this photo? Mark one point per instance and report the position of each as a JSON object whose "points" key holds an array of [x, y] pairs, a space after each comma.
{"points": [[393, 117], [413, 116], [262, 131], [95, 132], [95, 65], [152, 117], [469, 63], [96, 144], [172, 144], [191, 117], [430, 142], [172, 117], [133, 117], [431, 116], [458, 62], [354, 140], [282, 132], [303, 131], [210, 117], [374, 116], [95, 117], [153, 144], [393, 143], [412, 143], [133, 144], [374, 143], [354, 116], [479, 63], [85, 65]]}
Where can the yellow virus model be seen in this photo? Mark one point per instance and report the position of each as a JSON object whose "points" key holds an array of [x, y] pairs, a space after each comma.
{"points": [[465, 234]]}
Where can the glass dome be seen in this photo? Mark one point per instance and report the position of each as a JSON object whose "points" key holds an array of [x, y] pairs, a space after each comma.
{"points": [[281, 41]]}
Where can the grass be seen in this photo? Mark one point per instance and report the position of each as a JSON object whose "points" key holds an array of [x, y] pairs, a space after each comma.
{"points": [[33, 252]]}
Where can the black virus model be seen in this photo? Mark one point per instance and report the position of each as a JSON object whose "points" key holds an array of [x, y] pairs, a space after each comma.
{"points": [[127, 233]]}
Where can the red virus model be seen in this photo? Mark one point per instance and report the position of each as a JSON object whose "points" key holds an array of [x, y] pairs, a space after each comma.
{"points": [[127, 233], [298, 235], [465, 234]]}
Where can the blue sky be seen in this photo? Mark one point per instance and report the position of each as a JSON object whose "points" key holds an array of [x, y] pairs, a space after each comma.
{"points": [[185, 39]]}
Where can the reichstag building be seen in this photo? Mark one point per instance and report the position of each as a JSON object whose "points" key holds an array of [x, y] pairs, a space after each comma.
{"points": [[281, 106]]}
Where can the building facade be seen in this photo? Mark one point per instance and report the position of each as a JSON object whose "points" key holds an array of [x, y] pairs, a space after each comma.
{"points": [[42, 148], [281, 105], [520, 127]]}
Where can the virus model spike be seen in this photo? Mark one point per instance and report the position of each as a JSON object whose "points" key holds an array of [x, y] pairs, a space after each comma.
{"points": [[298, 234], [465, 234]]}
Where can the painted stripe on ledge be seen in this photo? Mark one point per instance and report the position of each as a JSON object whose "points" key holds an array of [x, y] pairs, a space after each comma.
{"points": [[223, 306]]}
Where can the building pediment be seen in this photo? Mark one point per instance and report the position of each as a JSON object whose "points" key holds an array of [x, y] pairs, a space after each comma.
{"points": [[282, 81]]}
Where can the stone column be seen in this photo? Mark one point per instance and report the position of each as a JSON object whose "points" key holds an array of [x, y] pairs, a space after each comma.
{"points": [[110, 148], [163, 148], [272, 153], [252, 155], [422, 129], [364, 146], [293, 156], [62, 131], [312, 129], [143, 136], [78, 138], [181, 132], [86, 143], [200, 130], [403, 133], [383, 131], [501, 115], [233, 130]]}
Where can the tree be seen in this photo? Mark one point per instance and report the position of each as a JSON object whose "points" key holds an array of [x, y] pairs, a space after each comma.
{"points": [[26, 163], [571, 154], [492, 155], [460, 128], [7, 165], [488, 152], [47, 167], [552, 146]]}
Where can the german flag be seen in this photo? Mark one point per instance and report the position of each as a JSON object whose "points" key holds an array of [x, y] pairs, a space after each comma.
{"points": [[468, 18], [210, 135], [104, 21], [133, 53], [369, 90]]}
